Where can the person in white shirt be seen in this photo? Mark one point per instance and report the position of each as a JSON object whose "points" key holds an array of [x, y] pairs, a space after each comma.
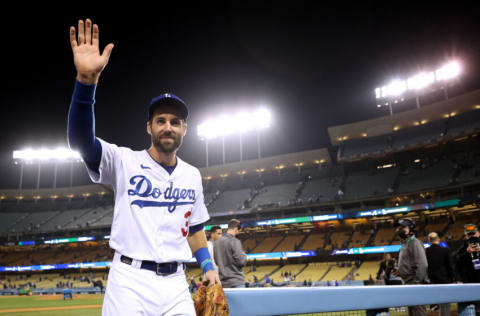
{"points": [[215, 234]]}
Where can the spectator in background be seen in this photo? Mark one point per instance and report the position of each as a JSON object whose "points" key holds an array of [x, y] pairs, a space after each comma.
{"points": [[267, 281], [386, 271], [412, 262], [230, 257], [440, 267], [193, 286], [468, 263], [215, 234]]}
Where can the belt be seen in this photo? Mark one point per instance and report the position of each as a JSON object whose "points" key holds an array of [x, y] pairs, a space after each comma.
{"points": [[163, 269]]}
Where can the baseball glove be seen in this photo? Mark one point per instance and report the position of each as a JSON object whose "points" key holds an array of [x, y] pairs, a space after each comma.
{"points": [[211, 301]]}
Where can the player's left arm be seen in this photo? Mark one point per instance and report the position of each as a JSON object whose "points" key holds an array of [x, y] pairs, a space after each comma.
{"points": [[197, 240]]}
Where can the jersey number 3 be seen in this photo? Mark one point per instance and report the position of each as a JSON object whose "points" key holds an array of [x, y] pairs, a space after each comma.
{"points": [[185, 230]]}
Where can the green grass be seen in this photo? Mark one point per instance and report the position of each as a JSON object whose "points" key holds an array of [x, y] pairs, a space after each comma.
{"points": [[73, 312], [15, 302]]}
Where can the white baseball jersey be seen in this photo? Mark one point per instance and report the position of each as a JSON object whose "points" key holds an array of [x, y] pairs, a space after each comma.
{"points": [[153, 209]]}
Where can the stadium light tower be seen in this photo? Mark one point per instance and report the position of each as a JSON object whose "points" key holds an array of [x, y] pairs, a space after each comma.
{"points": [[400, 89], [240, 123], [58, 155]]}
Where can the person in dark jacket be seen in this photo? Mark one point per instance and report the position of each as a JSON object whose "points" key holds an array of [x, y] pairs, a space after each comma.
{"points": [[468, 263], [440, 267], [230, 257], [412, 261], [386, 271]]}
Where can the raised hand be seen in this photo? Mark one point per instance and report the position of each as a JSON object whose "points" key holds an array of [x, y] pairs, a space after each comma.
{"points": [[86, 54]]}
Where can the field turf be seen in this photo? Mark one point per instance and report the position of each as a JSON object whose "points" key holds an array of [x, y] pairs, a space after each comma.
{"points": [[51, 305]]}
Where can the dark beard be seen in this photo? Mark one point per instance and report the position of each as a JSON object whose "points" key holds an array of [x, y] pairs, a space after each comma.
{"points": [[157, 142]]}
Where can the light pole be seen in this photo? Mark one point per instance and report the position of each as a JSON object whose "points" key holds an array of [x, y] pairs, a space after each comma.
{"points": [[259, 152], [21, 176], [42, 156], [240, 123], [241, 147], [223, 149], [206, 152]]}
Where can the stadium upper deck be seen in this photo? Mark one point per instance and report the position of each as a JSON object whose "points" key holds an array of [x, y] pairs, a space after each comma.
{"points": [[302, 183], [431, 124]]}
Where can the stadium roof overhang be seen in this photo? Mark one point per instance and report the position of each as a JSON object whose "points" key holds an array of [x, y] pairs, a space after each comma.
{"points": [[388, 124], [299, 159]]}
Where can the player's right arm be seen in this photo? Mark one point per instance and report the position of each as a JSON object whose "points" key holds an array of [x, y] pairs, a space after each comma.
{"points": [[89, 64]]}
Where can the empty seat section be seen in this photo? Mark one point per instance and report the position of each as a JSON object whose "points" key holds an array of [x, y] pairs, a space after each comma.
{"points": [[367, 269], [313, 272], [279, 194], [363, 184], [314, 241], [289, 243], [267, 244], [320, 190], [417, 178], [384, 236], [230, 200]]}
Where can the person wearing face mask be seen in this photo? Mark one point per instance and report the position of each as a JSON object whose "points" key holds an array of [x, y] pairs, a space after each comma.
{"points": [[412, 262], [468, 265]]}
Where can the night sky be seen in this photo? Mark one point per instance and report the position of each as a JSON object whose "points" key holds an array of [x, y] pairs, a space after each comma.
{"points": [[313, 66]]}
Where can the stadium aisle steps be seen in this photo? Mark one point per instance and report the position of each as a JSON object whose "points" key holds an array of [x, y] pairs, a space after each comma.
{"points": [[302, 242], [301, 270], [266, 245], [314, 271], [289, 243], [337, 273], [326, 273], [76, 218], [98, 220], [47, 220], [278, 243], [248, 244]]}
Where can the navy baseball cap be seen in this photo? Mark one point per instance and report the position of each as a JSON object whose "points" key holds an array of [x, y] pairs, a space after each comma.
{"points": [[170, 100], [404, 222]]}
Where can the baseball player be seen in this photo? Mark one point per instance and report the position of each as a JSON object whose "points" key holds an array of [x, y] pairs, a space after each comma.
{"points": [[159, 205]]}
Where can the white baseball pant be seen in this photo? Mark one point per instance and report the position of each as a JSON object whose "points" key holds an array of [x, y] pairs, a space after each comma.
{"points": [[132, 291]]}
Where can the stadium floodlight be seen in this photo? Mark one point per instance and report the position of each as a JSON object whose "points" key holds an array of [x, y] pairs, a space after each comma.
{"points": [[262, 118], [239, 123], [421, 80], [449, 71], [58, 154], [207, 130], [433, 80], [397, 87]]}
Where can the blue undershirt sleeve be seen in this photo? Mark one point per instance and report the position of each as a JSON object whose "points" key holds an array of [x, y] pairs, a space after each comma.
{"points": [[81, 126]]}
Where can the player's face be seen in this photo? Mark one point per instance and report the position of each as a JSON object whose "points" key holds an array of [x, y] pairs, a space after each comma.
{"points": [[167, 130], [216, 235]]}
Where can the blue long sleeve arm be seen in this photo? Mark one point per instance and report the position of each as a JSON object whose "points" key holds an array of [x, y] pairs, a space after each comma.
{"points": [[81, 126]]}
